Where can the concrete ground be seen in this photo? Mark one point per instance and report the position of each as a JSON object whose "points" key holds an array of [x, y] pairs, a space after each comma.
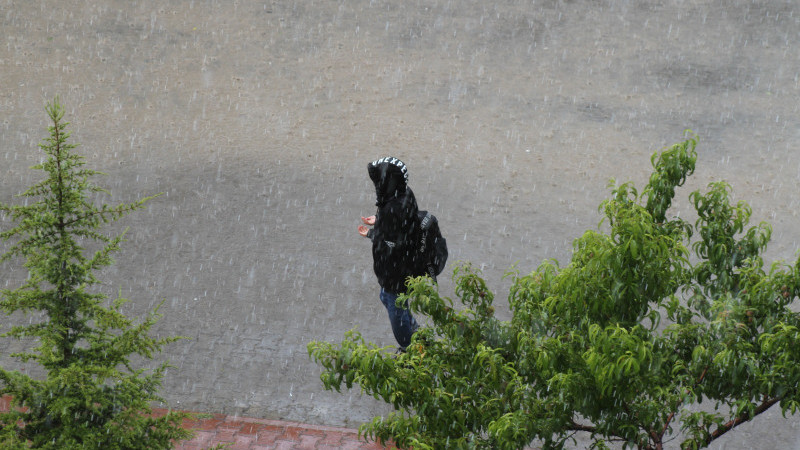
{"points": [[256, 120]]}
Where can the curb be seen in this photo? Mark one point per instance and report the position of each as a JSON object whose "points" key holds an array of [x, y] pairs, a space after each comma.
{"points": [[248, 433], [245, 433]]}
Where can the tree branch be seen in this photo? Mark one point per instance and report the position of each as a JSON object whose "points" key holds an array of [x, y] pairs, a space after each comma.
{"points": [[574, 426], [724, 428], [660, 436]]}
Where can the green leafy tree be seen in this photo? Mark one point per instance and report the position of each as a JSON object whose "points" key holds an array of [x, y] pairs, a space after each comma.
{"points": [[648, 334], [91, 396]]}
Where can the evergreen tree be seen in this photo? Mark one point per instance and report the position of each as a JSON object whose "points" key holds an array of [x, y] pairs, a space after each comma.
{"points": [[638, 340], [91, 396]]}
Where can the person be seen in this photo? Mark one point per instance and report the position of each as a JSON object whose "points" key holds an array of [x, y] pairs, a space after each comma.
{"points": [[392, 232]]}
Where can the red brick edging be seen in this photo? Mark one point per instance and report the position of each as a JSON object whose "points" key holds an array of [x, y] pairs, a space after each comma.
{"points": [[244, 433], [247, 433]]}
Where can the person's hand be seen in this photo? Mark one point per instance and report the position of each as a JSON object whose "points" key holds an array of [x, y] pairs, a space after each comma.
{"points": [[363, 230], [368, 220]]}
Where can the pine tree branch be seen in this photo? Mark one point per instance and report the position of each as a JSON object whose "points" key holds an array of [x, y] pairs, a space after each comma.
{"points": [[115, 212]]}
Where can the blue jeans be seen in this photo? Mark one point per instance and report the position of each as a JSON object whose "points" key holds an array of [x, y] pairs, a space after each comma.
{"points": [[403, 323]]}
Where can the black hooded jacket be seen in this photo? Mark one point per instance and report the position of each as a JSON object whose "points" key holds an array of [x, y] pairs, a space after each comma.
{"points": [[395, 225]]}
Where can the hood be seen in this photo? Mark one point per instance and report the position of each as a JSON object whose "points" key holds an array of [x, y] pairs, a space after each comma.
{"points": [[390, 177]]}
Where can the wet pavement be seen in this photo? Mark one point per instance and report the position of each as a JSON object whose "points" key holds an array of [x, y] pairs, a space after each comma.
{"points": [[256, 121]]}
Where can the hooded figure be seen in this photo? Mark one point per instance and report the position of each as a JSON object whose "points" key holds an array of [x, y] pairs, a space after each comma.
{"points": [[393, 246], [395, 224], [390, 177]]}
